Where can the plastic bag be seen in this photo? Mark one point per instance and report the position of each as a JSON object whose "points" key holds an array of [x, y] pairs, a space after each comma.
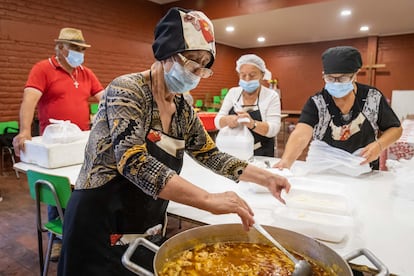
{"points": [[238, 142], [323, 157], [61, 132]]}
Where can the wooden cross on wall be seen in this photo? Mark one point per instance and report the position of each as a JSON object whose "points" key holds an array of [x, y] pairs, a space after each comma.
{"points": [[371, 69]]}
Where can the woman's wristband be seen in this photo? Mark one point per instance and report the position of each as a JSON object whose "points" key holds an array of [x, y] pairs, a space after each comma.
{"points": [[254, 125]]}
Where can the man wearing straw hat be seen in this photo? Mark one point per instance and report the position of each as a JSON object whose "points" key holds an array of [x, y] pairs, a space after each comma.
{"points": [[60, 87]]}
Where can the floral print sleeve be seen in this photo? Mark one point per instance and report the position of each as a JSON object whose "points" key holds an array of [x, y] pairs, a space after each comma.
{"points": [[117, 144], [117, 140]]}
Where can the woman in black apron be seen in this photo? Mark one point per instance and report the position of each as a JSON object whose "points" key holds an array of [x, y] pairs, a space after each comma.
{"points": [[263, 146], [259, 105], [135, 153], [345, 114]]}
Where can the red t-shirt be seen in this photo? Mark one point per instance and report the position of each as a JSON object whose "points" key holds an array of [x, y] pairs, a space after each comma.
{"points": [[64, 97]]}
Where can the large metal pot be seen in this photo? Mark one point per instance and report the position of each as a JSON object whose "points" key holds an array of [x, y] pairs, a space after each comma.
{"points": [[292, 241]]}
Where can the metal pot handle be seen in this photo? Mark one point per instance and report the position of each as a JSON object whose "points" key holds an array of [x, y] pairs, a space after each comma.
{"points": [[383, 270], [126, 258]]}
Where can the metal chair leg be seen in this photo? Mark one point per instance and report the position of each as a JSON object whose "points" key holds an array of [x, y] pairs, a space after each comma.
{"points": [[40, 250], [48, 252], [13, 161], [11, 153], [2, 160]]}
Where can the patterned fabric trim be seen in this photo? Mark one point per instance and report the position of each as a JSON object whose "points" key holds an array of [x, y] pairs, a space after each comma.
{"points": [[324, 117], [370, 111], [371, 108]]}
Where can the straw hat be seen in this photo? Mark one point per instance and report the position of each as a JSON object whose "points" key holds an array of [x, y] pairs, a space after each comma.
{"points": [[73, 36]]}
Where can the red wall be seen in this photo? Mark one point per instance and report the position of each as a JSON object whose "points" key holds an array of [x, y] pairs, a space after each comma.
{"points": [[397, 53], [121, 34], [298, 68]]}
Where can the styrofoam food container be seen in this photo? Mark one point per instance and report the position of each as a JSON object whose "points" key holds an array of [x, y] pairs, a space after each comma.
{"points": [[317, 201], [54, 155], [318, 225]]}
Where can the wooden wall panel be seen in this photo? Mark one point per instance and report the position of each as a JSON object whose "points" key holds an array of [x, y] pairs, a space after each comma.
{"points": [[121, 34], [226, 8], [397, 53]]}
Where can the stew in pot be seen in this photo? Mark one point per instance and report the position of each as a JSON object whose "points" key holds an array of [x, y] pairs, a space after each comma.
{"points": [[235, 258]]}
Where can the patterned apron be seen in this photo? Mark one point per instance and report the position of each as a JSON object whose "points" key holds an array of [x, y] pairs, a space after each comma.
{"points": [[124, 213]]}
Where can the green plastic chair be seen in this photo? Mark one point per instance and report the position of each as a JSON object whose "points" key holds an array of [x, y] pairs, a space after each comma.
{"points": [[7, 132], [94, 108], [51, 190], [199, 103]]}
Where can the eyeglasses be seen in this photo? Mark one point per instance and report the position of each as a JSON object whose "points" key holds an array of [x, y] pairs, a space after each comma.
{"points": [[195, 68], [343, 78]]}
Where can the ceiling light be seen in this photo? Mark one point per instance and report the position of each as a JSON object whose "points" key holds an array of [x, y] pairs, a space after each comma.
{"points": [[346, 12], [229, 29], [364, 28], [261, 39]]}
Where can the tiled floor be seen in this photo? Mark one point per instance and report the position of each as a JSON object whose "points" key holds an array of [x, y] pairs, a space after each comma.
{"points": [[18, 238]]}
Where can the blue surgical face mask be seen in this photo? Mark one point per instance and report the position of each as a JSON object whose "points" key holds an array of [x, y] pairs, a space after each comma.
{"points": [[74, 58], [249, 86], [339, 89], [180, 80]]}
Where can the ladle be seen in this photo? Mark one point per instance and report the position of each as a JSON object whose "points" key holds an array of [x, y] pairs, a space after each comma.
{"points": [[302, 267]]}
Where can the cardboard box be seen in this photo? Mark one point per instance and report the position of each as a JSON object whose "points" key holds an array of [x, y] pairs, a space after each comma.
{"points": [[54, 155]]}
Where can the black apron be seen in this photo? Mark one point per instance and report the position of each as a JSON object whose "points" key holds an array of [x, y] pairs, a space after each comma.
{"points": [[263, 146], [339, 133], [105, 214]]}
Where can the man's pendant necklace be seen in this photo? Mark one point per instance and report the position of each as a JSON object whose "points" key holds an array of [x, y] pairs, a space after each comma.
{"points": [[75, 81]]}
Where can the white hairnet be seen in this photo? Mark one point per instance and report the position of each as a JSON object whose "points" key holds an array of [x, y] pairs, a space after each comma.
{"points": [[252, 60], [267, 75]]}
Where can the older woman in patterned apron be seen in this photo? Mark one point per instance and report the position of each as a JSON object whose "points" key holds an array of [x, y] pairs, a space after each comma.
{"points": [[255, 102], [135, 153]]}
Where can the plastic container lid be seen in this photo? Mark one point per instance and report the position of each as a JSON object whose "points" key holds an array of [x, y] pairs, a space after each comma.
{"points": [[318, 201], [318, 225]]}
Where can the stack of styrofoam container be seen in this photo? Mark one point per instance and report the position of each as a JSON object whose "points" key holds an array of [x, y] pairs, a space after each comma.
{"points": [[322, 215], [54, 155]]}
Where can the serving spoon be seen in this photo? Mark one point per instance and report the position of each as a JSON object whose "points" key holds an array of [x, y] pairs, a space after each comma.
{"points": [[302, 267]]}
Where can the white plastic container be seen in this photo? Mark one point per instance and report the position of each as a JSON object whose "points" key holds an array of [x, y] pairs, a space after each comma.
{"points": [[318, 225], [318, 201], [54, 155]]}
